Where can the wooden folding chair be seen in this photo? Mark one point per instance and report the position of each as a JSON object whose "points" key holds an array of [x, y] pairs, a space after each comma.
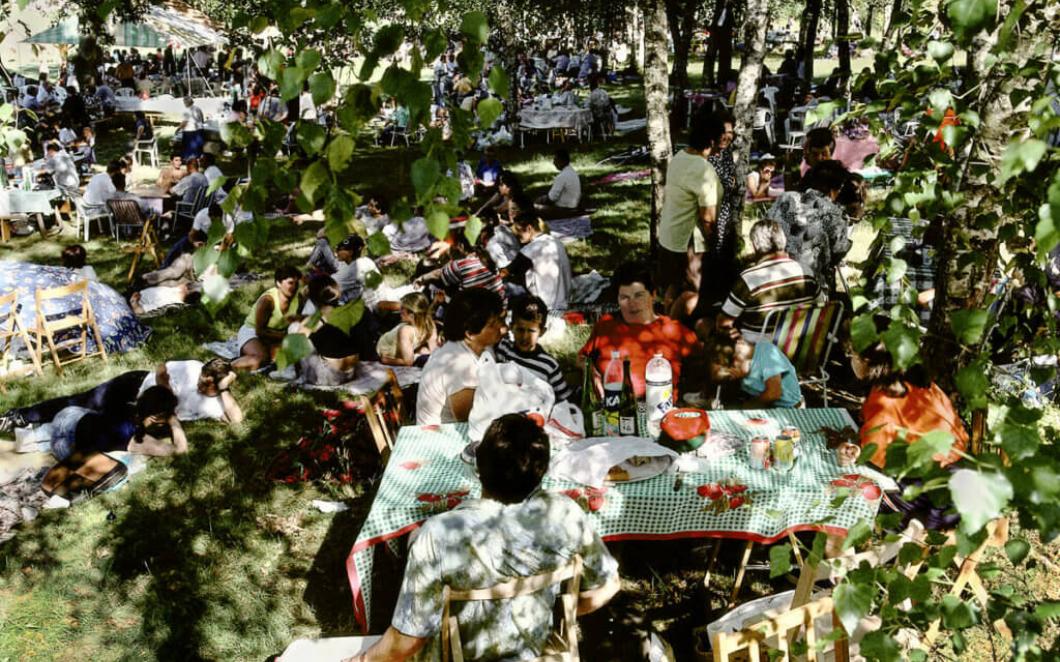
{"points": [[386, 413], [563, 648], [806, 334], [10, 329], [127, 214], [81, 317], [780, 632]]}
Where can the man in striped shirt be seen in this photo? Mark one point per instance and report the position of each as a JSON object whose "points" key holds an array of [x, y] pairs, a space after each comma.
{"points": [[529, 316], [774, 282]]}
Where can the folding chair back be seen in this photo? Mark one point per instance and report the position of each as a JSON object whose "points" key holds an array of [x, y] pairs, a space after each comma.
{"points": [[566, 649], [780, 632], [386, 413], [806, 334], [66, 322], [10, 330], [125, 213]]}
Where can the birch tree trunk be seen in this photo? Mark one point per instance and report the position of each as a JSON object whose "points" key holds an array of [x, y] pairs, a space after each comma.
{"points": [[753, 31], [842, 11], [711, 56], [890, 33], [656, 88]]}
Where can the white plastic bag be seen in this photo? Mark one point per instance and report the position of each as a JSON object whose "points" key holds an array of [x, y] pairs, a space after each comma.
{"points": [[506, 388]]}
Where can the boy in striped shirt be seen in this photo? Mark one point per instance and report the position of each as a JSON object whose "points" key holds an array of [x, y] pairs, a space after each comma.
{"points": [[529, 316]]}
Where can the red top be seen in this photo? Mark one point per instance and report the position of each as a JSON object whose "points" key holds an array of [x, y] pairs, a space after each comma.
{"points": [[639, 342], [919, 411]]}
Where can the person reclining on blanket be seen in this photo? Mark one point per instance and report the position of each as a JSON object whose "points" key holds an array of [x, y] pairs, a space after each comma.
{"points": [[141, 428], [202, 391], [414, 338], [266, 324], [336, 353], [565, 195], [515, 530]]}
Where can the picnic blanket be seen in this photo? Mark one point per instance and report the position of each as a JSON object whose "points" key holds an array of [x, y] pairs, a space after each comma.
{"points": [[571, 229], [371, 376], [629, 176], [723, 498], [629, 126]]}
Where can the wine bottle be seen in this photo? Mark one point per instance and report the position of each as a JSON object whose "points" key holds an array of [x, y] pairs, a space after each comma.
{"points": [[627, 409]]}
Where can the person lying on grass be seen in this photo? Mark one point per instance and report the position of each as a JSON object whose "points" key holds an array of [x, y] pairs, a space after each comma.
{"points": [[143, 430], [514, 530], [336, 353], [266, 324], [765, 374]]}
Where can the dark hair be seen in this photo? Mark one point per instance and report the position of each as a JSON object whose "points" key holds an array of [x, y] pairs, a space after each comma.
{"points": [[820, 137], [208, 159], [707, 129], [155, 401], [470, 310], [531, 309], [353, 243], [563, 155], [287, 271], [508, 178], [74, 256], [53, 147], [197, 236], [880, 370], [192, 163], [114, 166], [634, 272], [512, 458], [324, 291], [216, 369], [826, 176], [380, 202], [118, 179]]}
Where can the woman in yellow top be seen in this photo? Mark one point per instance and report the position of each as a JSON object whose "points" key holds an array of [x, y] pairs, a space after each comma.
{"points": [[265, 326], [412, 341]]}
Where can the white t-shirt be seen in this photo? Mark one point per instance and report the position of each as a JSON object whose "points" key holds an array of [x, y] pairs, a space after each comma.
{"points": [[566, 188], [452, 368], [306, 108], [153, 298], [100, 189], [184, 379], [550, 277]]}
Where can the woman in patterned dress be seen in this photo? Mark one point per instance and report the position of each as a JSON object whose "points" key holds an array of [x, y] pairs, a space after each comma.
{"points": [[720, 261]]}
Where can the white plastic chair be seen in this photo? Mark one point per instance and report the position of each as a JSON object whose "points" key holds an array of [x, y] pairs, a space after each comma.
{"points": [[125, 92], [85, 216], [764, 122], [148, 148]]}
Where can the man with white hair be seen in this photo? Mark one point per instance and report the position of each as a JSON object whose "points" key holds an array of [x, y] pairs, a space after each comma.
{"points": [[773, 282]]}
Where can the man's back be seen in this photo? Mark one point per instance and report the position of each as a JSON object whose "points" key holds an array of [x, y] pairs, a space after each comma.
{"points": [[483, 543], [774, 283]]}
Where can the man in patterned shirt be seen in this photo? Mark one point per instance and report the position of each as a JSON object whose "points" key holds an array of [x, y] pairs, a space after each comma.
{"points": [[773, 282], [515, 530]]}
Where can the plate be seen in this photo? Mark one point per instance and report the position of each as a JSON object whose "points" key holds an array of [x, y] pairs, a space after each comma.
{"points": [[651, 469], [468, 454]]}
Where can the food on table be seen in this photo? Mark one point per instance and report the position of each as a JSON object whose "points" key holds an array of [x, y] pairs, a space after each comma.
{"points": [[685, 429]]}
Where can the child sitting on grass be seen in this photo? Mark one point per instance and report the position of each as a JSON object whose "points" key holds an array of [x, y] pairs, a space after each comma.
{"points": [[765, 373], [529, 316]]}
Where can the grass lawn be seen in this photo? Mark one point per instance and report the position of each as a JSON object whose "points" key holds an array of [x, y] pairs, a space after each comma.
{"points": [[199, 557]]}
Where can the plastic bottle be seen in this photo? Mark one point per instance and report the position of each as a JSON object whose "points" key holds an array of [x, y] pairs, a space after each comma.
{"points": [[658, 392], [613, 396]]}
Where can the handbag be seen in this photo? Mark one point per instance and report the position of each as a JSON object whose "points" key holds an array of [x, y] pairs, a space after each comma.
{"points": [[83, 475], [506, 388]]}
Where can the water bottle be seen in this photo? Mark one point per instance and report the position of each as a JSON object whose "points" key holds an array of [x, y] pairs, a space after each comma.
{"points": [[658, 391], [613, 396]]}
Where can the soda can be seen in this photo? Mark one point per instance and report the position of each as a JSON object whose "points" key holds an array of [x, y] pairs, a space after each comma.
{"points": [[784, 452], [796, 437], [760, 455]]}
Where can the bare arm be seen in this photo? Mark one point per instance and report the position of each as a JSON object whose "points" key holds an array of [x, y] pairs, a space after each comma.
{"points": [[769, 396], [162, 376], [591, 600], [233, 414], [707, 216], [149, 445], [406, 349], [261, 322], [460, 403], [392, 647]]}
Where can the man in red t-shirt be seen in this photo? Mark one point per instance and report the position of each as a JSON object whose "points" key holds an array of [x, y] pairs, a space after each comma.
{"points": [[637, 332]]}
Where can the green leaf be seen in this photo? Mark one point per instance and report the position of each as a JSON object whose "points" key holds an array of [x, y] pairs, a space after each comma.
{"points": [[904, 345], [940, 51], [425, 172], [328, 16], [1020, 442], [347, 316], [970, 16], [270, 64], [896, 269], [388, 40], [979, 497], [475, 26], [373, 279], [438, 223], [499, 82], [308, 60], [863, 332], [215, 288], [878, 645], [488, 112], [957, 614], [940, 99], [857, 534], [1017, 550], [968, 325], [216, 184], [434, 42], [204, 258], [311, 137], [922, 451], [779, 560], [852, 602], [313, 178], [291, 83], [1048, 609], [321, 87], [377, 244], [228, 262], [472, 229], [295, 346], [339, 151], [1021, 156]]}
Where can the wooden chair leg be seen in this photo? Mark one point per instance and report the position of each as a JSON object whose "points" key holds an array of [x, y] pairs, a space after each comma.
{"points": [[740, 573], [712, 563]]}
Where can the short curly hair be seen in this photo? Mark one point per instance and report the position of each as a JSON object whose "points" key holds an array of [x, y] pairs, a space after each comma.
{"points": [[512, 458]]}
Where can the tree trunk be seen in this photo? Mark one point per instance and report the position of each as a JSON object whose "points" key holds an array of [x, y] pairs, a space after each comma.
{"points": [[753, 30], [656, 87], [725, 43], [890, 33], [810, 21], [870, 16], [842, 11], [681, 15], [711, 56]]}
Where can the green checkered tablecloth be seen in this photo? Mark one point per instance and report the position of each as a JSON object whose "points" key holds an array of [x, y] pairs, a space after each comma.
{"points": [[425, 475]]}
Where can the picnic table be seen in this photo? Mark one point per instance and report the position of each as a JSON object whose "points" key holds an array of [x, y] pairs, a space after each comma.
{"points": [[557, 117], [152, 195], [425, 471], [16, 203]]}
